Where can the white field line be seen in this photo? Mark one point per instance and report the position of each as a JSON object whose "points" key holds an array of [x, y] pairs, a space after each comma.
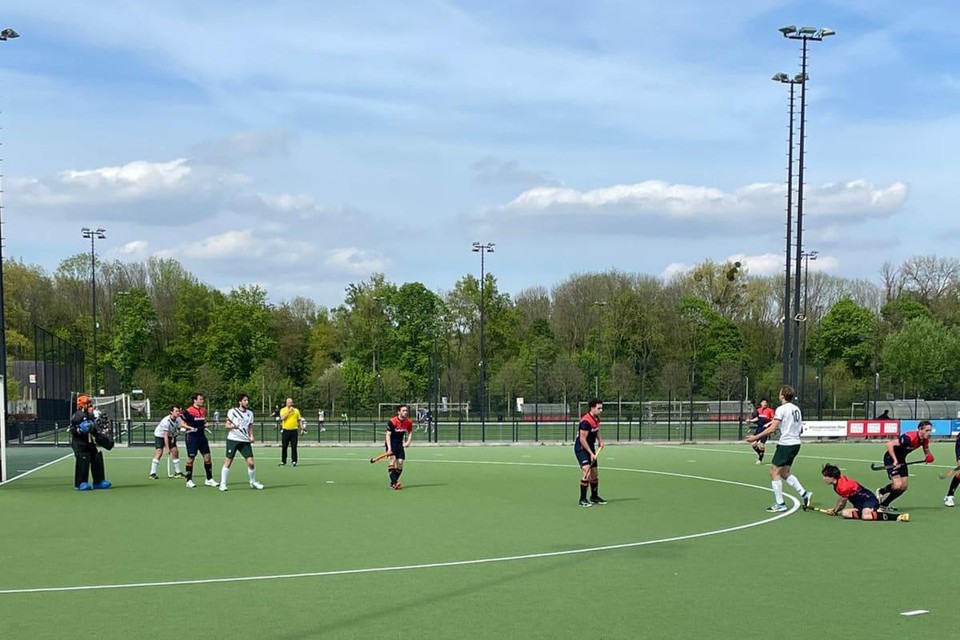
{"points": [[436, 565]]}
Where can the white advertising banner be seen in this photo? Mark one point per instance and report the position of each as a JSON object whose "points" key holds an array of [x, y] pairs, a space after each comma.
{"points": [[824, 429]]}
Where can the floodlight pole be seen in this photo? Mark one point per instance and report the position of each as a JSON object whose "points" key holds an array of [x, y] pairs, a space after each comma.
{"points": [[804, 34], [807, 257], [482, 249], [782, 77], [94, 235], [6, 34]]}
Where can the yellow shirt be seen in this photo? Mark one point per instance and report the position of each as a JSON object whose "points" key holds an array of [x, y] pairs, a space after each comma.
{"points": [[290, 418]]}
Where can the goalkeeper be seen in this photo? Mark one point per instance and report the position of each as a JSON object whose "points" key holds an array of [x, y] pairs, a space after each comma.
{"points": [[89, 459]]}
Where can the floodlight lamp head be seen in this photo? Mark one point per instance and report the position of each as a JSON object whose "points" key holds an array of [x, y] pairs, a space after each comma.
{"points": [[813, 254], [800, 78], [8, 34], [476, 247], [786, 31], [824, 32], [780, 77], [807, 31]]}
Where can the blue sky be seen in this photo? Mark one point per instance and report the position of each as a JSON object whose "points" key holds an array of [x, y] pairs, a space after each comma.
{"points": [[305, 145]]}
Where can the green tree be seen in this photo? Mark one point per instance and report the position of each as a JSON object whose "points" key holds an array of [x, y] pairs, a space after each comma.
{"points": [[845, 334], [131, 337], [924, 354], [239, 337]]}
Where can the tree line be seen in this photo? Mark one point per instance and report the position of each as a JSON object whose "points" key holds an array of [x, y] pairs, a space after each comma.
{"points": [[706, 333]]}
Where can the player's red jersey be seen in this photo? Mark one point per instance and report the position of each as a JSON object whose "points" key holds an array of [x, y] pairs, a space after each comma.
{"points": [[853, 491]]}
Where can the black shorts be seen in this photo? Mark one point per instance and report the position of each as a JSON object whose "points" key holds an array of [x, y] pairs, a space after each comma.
{"points": [[197, 443], [956, 448], [398, 451], [158, 443], [236, 446], [902, 471]]}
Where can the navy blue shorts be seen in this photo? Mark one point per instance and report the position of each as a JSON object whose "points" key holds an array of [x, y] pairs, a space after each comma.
{"points": [[868, 503], [757, 430], [583, 457], [902, 471], [956, 449], [197, 443]]}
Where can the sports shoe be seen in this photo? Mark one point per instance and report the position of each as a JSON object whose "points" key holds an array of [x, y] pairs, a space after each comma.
{"points": [[805, 499], [178, 475], [191, 484], [597, 500], [256, 485], [777, 508], [153, 476], [877, 492], [397, 486], [210, 482], [294, 464], [103, 484], [282, 464], [84, 486], [903, 517], [585, 503], [759, 461], [889, 509], [948, 501], [223, 487]]}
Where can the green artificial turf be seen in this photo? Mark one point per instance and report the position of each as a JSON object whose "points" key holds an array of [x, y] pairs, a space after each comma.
{"points": [[482, 542]]}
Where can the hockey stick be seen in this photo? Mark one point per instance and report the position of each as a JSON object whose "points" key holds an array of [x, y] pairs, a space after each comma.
{"points": [[949, 472], [819, 510], [380, 457], [884, 467], [169, 467]]}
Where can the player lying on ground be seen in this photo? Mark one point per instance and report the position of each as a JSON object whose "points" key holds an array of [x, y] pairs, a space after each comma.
{"points": [[865, 503]]}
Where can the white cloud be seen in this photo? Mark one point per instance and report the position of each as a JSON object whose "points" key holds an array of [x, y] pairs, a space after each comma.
{"points": [[765, 264], [134, 249], [656, 208], [148, 192]]}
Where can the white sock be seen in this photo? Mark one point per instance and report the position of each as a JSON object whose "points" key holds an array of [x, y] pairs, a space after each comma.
{"points": [[176, 465], [153, 466], [795, 484], [224, 472], [777, 490], [252, 474]]}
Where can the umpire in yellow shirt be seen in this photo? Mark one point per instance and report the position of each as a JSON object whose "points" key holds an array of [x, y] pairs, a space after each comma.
{"points": [[292, 425]]}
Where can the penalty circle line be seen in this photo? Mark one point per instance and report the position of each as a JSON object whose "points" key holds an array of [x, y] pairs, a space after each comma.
{"points": [[440, 565]]}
